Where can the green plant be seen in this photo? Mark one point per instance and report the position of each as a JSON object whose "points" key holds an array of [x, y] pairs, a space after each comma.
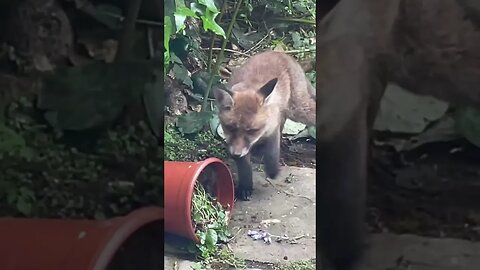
{"points": [[192, 147], [211, 225], [299, 265], [174, 25]]}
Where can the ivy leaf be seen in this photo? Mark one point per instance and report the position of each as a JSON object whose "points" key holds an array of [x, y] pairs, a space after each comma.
{"points": [[210, 4], [209, 23], [181, 15]]}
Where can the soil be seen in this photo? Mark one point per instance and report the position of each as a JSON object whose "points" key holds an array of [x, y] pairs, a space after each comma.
{"points": [[298, 153], [431, 191]]}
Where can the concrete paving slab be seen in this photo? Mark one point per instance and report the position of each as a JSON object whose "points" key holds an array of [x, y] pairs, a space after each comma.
{"points": [[280, 214]]}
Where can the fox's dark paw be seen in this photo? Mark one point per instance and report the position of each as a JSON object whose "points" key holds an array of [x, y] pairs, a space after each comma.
{"points": [[244, 193]]}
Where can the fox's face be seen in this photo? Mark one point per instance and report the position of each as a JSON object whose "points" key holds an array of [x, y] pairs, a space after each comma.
{"points": [[245, 115]]}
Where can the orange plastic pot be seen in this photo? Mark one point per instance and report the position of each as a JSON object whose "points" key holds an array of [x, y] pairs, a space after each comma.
{"points": [[56, 244], [180, 179]]}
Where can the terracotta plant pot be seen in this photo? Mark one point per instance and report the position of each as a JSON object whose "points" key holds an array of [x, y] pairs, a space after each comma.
{"points": [[180, 179], [57, 244]]}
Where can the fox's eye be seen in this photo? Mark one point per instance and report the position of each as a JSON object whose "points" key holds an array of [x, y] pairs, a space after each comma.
{"points": [[226, 108], [252, 130]]}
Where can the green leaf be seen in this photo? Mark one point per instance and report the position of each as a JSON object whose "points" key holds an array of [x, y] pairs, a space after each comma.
{"points": [[167, 32], [196, 217], [181, 73], [186, 12], [202, 237], [196, 266], [209, 23], [404, 112], [193, 122], [292, 128], [210, 4], [211, 238], [181, 15], [214, 123]]}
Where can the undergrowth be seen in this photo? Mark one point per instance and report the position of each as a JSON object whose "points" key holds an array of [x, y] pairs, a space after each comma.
{"points": [[211, 224], [194, 147]]}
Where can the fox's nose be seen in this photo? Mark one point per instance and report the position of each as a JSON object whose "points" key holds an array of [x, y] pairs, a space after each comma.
{"points": [[238, 152]]}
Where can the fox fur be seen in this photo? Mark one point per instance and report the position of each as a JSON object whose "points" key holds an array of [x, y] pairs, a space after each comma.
{"points": [[270, 87]]}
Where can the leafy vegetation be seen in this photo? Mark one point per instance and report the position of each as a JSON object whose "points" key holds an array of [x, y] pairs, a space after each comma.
{"points": [[299, 265], [194, 147], [284, 25], [211, 225]]}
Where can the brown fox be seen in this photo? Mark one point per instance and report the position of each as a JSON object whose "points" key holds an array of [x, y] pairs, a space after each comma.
{"points": [[270, 87]]}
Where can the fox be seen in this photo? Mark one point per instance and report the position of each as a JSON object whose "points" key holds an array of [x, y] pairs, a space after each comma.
{"points": [[428, 47], [260, 95]]}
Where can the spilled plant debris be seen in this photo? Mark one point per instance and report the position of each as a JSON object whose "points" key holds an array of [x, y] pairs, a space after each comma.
{"points": [[210, 220]]}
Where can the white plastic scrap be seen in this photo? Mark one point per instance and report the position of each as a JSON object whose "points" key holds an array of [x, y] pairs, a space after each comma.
{"points": [[260, 234]]}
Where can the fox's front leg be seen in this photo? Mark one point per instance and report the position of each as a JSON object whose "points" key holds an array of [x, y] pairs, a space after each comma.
{"points": [[271, 157], [245, 177]]}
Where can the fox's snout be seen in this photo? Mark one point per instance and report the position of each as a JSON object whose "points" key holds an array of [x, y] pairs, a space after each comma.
{"points": [[238, 151], [238, 147]]}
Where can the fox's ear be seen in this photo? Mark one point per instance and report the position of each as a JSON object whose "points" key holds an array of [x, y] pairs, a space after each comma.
{"points": [[267, 89], [223, 98]]}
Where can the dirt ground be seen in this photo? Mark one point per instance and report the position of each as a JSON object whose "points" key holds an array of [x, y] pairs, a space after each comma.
{"points": [[433, 191]]}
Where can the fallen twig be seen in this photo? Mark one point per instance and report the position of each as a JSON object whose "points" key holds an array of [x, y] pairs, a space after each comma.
{"points": [[245, 54], [235, 235], [226, 50]]}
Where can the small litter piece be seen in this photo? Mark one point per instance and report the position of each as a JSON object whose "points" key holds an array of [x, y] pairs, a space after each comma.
{"points": [[269, 221], [260, 234]]}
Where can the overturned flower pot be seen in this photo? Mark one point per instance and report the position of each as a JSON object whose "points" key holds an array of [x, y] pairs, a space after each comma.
{"points": [[180, 180], [55, 244]]}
